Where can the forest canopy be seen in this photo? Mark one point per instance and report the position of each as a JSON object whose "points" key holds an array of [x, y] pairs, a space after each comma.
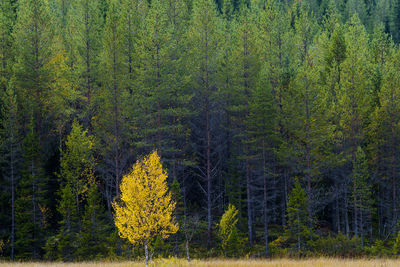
{"points": [[277, 123]]}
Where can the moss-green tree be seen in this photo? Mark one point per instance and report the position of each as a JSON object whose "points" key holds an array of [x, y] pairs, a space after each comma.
{"points": [[362, 194], [34, 40], [77, 166], [297, 217], [111, 123], [202, 59], [31, 204], [7, 20], [10, 147], [83, 46], [94, 230]]}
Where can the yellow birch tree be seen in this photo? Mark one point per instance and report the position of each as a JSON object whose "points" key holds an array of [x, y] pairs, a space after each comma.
{"points": [[145, 207]]}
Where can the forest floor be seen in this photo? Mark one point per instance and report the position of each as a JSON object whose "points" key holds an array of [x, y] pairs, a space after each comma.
{"points": [[224, 263]]}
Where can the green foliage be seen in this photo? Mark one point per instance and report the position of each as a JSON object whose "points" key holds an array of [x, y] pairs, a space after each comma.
{"points": [[335, 246], [231, 241], [31, 203], [77, 163], [380, 249], [66, 241], [362, 190], [298, 230], [7, 20], [396, 245], [94, 228], [82, 226], [83, 45], [237, 96]]}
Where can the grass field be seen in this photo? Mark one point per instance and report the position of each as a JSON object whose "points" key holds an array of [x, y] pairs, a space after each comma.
{"points": [[225, 263]]}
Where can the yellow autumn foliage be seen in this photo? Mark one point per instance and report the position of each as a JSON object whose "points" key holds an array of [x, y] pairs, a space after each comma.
{"points": [[145, 208]]}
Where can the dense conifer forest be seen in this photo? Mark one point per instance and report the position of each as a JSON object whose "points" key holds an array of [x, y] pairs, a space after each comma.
{"points": [[277, 121]]}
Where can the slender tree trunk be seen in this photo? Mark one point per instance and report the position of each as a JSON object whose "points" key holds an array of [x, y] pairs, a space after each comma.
{"points": [[393, 174], [88, 68], [246, 146], [362, 229], [208, 145], [33, 207], [187, 250], [116, 117], [146, 252], [249, 201], [346, 210], [158, 82], [308, 162], [285, 197], [265, 206], [12, 201], [337, 211], [355, 219]]}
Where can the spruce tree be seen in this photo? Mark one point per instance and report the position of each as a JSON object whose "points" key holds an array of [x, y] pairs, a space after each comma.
{"points": [[84, 32], [163, 107], [263, 140], [245, 72], [133, 13], [111, 124], [77, 166], [395, 20], [297, 227], [362, 192], [94, 230], [354, 101], [276, 55], [67, 239], [202, 58], [34, 36], [384, 133], [31, 212], [7, 20], [77, 163], [10, 147]]}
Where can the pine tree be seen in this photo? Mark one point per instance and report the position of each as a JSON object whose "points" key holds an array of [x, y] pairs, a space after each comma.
{"points": [[68, 236], [246, 69], [31, 212], [7, 20], [357, 7], [77, 163], [94, 230], [354, 101], [84, 32], [77, 166], [297, 227], [263, 140], [310, 128], [133, 13], [383, 133], [277, 52], [362, 191], [332, 47], [154, 41], [34, 36], [9, 163], [111, 123], [395, 20], [203, 41], [163, 108]]}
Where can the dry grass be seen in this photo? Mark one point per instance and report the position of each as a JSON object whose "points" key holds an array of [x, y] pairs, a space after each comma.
{"points": [[224, 263]]}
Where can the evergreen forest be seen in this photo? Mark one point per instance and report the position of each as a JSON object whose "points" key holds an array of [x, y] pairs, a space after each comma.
{"points": [[277, 122]]}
